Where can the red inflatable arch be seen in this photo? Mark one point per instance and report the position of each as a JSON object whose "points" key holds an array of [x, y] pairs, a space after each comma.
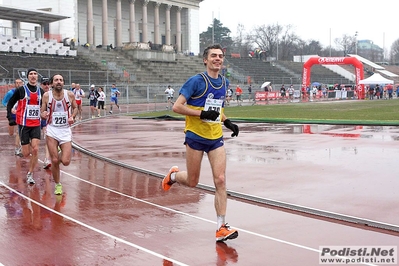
{"points": [[359, 73]]}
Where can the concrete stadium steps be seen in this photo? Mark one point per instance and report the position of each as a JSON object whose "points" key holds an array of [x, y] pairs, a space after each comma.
{"points": [[10, 61], [259, 71], [72, 68], [143, 71]]}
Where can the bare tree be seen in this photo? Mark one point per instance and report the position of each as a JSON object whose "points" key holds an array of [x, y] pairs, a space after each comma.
{"points": [[266, 38], [289, 43], [347, 44], [395, 52]]}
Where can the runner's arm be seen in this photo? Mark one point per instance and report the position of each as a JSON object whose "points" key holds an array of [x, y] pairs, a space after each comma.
{"points": [[13, 100]]}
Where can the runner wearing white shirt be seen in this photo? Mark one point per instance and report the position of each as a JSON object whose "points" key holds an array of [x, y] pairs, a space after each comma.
{"points": [[291, 93], [79, 93], [101, 101], [169, 92]]}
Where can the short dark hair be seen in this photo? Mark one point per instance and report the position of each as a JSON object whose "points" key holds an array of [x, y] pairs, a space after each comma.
{"points": [[213, 46]]}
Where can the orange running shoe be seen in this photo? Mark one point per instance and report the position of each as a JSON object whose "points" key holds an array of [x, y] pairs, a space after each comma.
{"points": [[167, 182], [225, 232]]}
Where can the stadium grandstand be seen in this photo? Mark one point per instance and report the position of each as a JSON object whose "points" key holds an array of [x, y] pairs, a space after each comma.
{"points": [[153, 45]]}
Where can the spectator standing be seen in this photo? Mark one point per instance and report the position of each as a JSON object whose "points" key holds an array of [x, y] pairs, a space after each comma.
{"points": [[314, 91], [239, 95], [249, 92], [27, 118], [390, 90], [291, 93], [72, 44], [303, 93], [282, 92], [324, 91], [201, 100], [378, 91], [59, 108], [371, 92], [114, 97]]}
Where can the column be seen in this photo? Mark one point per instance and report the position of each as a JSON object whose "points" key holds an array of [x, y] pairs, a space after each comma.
{"points": [[90, 24], [178, 29], [105, 41], [145, 21], [167, 25], [118, 23], [132, 21], [17, 28], [156, 24]]}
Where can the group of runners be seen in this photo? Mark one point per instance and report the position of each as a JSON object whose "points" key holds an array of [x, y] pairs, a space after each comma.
{"points": [[46, 109], [201, 100], [34, 107], [96, 98]]}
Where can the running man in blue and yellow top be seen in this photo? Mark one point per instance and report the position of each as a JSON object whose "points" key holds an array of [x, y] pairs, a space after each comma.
{"points": [[201, 99]]}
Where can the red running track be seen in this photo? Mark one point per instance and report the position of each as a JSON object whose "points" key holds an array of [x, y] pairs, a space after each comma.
{"points": [[110, 215]]}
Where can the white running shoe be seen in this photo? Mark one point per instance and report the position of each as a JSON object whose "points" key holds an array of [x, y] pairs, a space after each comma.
{"points": [[46, 164], [18, 151], [29, 178]]}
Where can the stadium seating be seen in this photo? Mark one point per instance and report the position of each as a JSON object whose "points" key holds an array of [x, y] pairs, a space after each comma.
{"points": [[4, 47], [30, 45]]}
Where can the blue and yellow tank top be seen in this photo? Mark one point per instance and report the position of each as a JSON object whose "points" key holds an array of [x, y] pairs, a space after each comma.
{"points": [[205, 93]]}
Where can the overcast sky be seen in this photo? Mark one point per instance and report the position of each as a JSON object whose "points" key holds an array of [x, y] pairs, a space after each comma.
{"points": [[311, 19]]}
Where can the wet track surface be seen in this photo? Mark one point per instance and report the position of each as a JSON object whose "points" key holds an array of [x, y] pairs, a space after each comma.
{"points": [[115, 216]]}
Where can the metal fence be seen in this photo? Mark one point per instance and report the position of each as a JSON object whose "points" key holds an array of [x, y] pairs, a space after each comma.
{"points": [[132, 98]]}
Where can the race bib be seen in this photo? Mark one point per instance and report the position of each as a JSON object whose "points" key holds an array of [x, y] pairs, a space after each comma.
{"points": [[216, 105], [32, 111], [59, 119]]}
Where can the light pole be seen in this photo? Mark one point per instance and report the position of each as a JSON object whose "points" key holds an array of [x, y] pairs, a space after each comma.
{"points": [[213, 29], [356, 42], [277, 51]]}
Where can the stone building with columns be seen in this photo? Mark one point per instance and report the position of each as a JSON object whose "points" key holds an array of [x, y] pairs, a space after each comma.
{"points": [[117, 22]]}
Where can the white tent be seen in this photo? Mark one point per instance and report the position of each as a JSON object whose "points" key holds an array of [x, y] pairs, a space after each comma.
{"points": [[376, 79]]}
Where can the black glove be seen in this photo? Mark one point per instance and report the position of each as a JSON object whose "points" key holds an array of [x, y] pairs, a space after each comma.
{"points": [[209, 115], [233, 127], [11, 122]]}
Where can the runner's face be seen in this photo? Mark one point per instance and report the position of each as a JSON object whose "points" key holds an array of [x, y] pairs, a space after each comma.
{"points": [[45, 86], [32, 77], [214, 61], [58, 82], [18, 83]]}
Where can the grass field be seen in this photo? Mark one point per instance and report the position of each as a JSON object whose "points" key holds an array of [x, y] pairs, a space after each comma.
{"points": [[376, 112]]}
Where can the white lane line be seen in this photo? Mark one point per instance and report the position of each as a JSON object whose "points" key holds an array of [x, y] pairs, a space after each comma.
{"points": [[197, 217], [93, 228]]}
